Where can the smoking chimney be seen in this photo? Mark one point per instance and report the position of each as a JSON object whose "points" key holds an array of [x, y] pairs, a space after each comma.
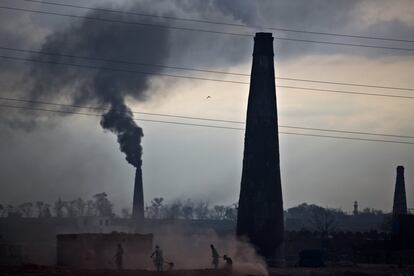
{"points": [[400, 201], [355, 208], [138, 201], [260, 214]]}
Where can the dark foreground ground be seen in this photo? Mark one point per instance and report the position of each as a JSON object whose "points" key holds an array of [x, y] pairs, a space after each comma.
{"points": [[361, 269]]}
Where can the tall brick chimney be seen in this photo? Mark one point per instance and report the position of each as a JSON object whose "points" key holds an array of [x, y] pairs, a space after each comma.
{"points": [[138, 201], [400, 201], [260, 214]]}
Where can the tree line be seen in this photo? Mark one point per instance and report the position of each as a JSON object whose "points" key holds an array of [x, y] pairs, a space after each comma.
{"points": [[189, 209], [303, 216], [98, 205]]}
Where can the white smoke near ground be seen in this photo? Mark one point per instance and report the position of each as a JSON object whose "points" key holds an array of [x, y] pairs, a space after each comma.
{"points": [[189, 248]]}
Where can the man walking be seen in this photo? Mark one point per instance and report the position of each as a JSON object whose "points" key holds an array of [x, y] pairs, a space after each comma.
{"points": [[158, 258], [119, 256], [215, 256]]}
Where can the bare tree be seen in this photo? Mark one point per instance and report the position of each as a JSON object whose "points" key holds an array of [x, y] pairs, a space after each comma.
{"points": [[46, 211], [59, 205], [174, 210], [39, 206], [70, 207], [154, 210], [218, 212], [231, 212], [323, 221], [103, 205], [201, 210], [90, 208], [188, 209], [126, 213], [2, 210], [26, 209], [80, 206]]}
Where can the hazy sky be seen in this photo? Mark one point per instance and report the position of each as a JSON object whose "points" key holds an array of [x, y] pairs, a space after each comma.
{"points": [[46, 155]]}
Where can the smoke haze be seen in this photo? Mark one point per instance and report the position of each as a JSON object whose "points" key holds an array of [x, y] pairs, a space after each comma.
{"points": [[198, 163]]}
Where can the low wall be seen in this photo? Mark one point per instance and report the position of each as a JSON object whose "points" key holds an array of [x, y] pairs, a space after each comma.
{"points": [[93, 251]]}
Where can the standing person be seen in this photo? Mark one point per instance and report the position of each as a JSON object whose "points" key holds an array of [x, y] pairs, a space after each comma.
{"points": [[119, 256], [215, 256], [157, 258]]}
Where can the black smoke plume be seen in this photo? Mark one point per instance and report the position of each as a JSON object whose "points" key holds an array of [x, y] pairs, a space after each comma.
{"points": [[102, 86], [119, 120], [117, 41]]}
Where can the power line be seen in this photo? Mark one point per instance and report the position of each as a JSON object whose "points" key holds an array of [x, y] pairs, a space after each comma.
{"points": [[215, 22], [201, 30], [344, 92], [118, 70], [195, 69], [200, 78], [121, 61], [348, 84], [211, 126], [205, 119]]}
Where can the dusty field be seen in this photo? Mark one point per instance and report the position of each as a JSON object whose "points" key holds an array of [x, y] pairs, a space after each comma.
{"points": [[360, 270]]}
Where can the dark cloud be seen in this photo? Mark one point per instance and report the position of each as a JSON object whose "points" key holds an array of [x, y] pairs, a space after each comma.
{"points": [[128, 42]]}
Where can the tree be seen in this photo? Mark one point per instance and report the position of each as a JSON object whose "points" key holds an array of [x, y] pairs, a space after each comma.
{"points": [[201, 210], [231, 212], [386, 224], [126, 213], [188, 209], [71, 209], [174, 210], [90, 208], [80, 207], [46, 211], [103, 205], [26, 209], [39, 206], [219, 212], [154, 210], [59, 205], [324, 222], [11, 209]]}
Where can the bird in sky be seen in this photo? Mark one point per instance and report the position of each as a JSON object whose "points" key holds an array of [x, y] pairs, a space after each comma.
{"points": [[208, 97]]}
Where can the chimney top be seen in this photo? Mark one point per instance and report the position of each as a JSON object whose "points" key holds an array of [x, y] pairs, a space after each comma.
{"points": [[263, 45], [264, 35]]}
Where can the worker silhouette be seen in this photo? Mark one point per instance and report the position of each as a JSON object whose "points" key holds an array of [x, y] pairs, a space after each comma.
{"points": [[157, 258], [119, 256], [229, 262], [215, 256]]}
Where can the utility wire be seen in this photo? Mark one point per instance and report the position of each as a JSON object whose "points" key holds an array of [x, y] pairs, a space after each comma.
{"points": [[193, 69], [117, 70], [203, 119], [214, 22], [200, 30], [199, 78], [209, 126], [343, 92]]}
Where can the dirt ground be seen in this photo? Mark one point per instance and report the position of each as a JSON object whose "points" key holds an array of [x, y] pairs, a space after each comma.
{"points": [[357, 270]]}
